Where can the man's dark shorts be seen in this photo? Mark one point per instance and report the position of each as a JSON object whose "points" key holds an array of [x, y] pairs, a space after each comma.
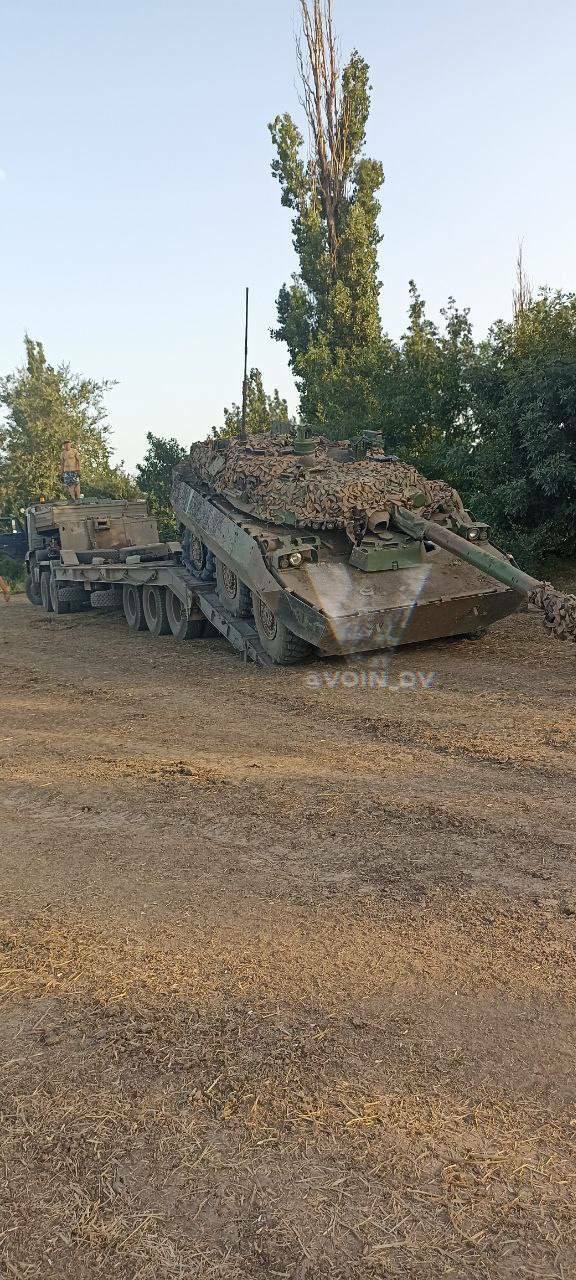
{"points": [[71, 477]]}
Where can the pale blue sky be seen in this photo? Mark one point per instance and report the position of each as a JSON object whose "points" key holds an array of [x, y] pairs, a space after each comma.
{"points": [[136, 199]]}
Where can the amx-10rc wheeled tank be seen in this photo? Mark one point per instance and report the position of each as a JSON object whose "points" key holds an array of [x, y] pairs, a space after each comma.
{"points": [[342, 548]]}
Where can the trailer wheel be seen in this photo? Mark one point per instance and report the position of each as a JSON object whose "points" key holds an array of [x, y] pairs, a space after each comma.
{"points": [[133, 607], [182, 628], [154, 605], [32, 591], [45, 593], [280, 644], [232, 593]]}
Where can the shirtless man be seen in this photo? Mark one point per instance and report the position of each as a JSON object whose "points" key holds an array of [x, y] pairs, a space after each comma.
{"points": [[70, 468]]}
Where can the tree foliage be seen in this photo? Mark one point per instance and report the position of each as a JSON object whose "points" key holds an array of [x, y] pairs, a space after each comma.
{"points": [[262, 410], [496, 417], [12, 572], [154, 473], [45, 405], [424, 385], [522, 470], [328, 316], [155, 480]]}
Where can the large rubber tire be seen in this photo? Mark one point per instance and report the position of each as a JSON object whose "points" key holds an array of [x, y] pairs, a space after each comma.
{"points": [[133, 607], [45, 594], [182, 628], [72, 599], [58, 597], [232, 593], [32, 591], [279, 643], [109, 599], [78, 599], [154, 605]]}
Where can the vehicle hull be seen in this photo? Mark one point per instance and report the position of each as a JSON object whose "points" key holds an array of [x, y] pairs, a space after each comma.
{"points": [[337, 608]]}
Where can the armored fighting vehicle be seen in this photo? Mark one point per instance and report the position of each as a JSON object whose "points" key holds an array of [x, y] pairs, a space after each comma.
{"points": [[339, 548], [71, 533]]}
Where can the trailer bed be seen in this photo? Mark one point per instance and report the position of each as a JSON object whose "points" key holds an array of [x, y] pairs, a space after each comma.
{"points": [[158, 566]]}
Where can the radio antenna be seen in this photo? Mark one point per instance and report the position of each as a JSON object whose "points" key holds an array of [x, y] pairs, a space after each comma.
{"points": [[245, 382]]}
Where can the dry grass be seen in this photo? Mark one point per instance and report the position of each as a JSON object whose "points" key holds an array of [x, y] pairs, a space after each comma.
{"points": [[238, 1111], [332, 958], [286, 976]]}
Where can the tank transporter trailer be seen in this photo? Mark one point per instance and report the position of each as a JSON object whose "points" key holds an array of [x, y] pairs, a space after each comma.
{"points": [[291, 546]]}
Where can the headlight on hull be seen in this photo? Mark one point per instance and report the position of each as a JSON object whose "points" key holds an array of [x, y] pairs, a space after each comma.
{"points": [[304, 553]]}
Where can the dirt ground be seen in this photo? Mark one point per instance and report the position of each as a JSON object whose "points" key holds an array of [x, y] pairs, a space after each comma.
{"points": [[286, 961]]}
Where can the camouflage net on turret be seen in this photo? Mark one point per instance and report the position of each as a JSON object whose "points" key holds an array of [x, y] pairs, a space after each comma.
{"points": [[264, 477], [559, 610]]}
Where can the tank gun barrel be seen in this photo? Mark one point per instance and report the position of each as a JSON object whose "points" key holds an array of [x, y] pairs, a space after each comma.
{"points": [[559, 610], [502, 570]]}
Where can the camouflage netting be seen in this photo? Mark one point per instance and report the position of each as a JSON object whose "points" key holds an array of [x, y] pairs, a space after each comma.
{"points": [[559, 610], [265, 477]]}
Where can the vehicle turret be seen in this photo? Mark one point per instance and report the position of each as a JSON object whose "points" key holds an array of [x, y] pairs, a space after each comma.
{"points": [[341, 547]]}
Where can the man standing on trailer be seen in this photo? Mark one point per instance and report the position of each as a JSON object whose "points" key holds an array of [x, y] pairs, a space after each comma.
{"points": [[70, 468]]}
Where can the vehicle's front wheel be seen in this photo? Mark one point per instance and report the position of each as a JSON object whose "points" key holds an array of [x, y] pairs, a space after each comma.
{"points": [[32, 590], [279, 643], [232, 593], [45, 594]]}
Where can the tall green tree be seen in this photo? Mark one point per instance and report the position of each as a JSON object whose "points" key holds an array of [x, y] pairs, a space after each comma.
{"points": [[155, 480], [262, 410], [424, 386], [497, 418], [522, 470], [328, 316], [45, 405]]}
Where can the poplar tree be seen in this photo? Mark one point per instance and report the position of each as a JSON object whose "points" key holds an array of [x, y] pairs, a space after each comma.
{"points": [[328, 315]]}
